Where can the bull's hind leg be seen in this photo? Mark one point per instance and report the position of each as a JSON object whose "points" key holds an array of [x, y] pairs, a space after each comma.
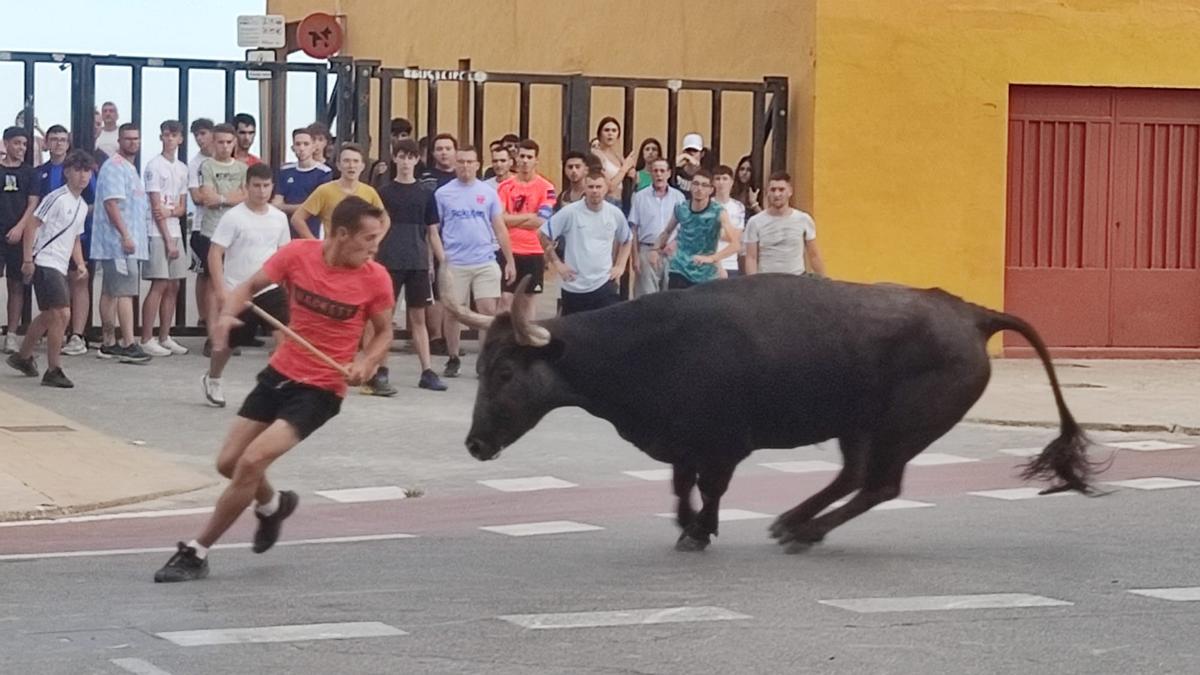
{"points": [[713, 481], [683, 480], [854, 456]]}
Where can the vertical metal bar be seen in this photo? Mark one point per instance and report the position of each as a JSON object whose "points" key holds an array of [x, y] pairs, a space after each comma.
{"points": [[627, 125], [579, 113], [345, 102], [322, 102], [779, 126], [277, 104], [28, 108], [412, 88], [477, 123], [672, 123], [230, 94], [135, 101], [715, 134], [464, 105], [758, 139], [362, 102], [431, 117], [181, 296], [523, 125], [384, 154]]}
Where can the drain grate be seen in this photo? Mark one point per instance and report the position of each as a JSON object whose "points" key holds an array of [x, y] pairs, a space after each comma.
{"points": [[36, 428]]}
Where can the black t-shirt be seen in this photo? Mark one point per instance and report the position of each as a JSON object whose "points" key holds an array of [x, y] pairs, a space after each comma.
{"points": [[412, 210], [433, 178], [682, 180], [17, 185]]}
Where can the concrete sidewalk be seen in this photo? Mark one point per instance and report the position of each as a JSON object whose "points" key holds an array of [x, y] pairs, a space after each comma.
{"points": [[52, 466], [1103, 395]]}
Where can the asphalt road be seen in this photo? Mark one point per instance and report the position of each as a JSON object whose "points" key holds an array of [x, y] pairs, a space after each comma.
{"points": [[360, 596]]}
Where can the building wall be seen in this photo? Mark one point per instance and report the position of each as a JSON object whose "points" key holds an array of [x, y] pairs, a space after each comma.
{"points": [[912, 110], [700, 40]]}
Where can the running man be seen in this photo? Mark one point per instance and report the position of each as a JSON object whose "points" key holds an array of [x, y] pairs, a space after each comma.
{"points": [[50, 242], [336, 289], [245, 238]]}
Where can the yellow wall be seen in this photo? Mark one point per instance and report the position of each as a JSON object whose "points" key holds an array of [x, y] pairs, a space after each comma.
{"points": [[911, 118], [699, 39]]}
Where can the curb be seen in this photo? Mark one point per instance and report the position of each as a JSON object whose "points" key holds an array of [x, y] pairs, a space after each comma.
{"points": [[56, 511], [1092, 426]]}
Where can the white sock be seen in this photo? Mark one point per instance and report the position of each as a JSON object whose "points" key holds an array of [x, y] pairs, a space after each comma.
{"points": [[201, 551], [270, 507]]}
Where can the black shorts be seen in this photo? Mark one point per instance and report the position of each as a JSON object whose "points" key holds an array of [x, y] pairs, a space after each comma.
{"points": [[11, 256], [527, 266], [50, 288], [275, 302], [574, 303], [199, 245], [304, 407], [418, 291], [678, 281]]}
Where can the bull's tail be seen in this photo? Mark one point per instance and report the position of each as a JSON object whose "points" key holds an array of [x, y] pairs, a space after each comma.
{"points": [[1065, 458]]}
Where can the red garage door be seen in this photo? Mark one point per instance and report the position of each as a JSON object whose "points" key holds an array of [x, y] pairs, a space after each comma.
{"points": [[1102, 245]]}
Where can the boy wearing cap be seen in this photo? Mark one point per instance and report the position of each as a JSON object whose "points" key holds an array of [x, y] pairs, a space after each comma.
{"points": [[690, 160]]}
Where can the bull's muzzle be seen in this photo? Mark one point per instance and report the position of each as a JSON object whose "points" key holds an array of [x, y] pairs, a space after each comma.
{"points": [[482, 450]]}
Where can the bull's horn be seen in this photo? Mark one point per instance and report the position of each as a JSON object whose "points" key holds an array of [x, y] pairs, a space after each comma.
{"points": [[527, 332], [463, 314]]}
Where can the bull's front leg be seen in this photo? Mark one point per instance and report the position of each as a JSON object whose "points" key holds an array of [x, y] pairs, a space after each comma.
{"points": [[684, 479], [713, 482]]}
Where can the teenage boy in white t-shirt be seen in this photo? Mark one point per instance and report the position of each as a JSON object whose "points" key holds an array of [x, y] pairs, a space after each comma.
{"points": [[246, 236], [166, 181], [722, 189], [50, 242]]}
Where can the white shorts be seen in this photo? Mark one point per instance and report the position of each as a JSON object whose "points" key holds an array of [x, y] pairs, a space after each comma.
{"points": [[158, 266], [478, 281]]}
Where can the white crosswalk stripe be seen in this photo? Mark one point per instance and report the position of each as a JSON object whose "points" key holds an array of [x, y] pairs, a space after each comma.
{"points": [[1153, 483], [651, 474], [938, 459], [728, 515], [364, 494], [548, 527], [803, 466], [527, 484], [1014, 494], [1180, 594], [294, 633], [630, 617], [1147, 446], [928, 603]]}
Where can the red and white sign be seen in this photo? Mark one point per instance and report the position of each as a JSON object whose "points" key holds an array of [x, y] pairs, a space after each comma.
{"points": [[319, 35]]}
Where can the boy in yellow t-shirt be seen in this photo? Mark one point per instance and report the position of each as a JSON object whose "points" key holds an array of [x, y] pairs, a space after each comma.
{"points": [[323, 200]]}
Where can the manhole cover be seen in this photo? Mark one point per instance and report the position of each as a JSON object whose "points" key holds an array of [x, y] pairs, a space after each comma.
{"points": [[34, 428]]}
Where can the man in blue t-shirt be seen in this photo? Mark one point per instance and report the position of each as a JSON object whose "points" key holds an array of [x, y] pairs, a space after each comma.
{"points": [[297, 180], [472, 223], [50, 178]]}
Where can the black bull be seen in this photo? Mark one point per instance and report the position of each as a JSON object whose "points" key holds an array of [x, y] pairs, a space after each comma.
{"points": [[701, 378]]}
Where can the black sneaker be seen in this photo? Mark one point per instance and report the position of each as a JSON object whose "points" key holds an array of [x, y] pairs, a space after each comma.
{"points": [[269, 526], [379, 385], [185, 565], [437, 347], [112, 351], [27, 366], [133, 354], [55, 378], [452, 367], [430, 381]]}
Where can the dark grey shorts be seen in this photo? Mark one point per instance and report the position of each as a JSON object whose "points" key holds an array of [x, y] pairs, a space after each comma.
{"points": [[51, 289], [117, 285]]}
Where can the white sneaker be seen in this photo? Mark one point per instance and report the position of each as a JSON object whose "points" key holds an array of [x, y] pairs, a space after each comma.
{"points": [[174, 347], [213, 391], [152, 348], [75, 346], [12, 344]]}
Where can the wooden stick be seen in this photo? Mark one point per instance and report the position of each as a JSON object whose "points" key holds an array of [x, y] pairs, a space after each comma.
{"points": [[279, 326]]}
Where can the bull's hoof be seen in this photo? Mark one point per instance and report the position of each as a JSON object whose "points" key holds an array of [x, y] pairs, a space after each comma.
{"points": [[798, 547], [777, 528], [800, 537], [690, 544]]}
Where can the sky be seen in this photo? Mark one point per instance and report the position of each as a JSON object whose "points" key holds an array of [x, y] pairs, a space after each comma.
{"points": [[156, 28]]}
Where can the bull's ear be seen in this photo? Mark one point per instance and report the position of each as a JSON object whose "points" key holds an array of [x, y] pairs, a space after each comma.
{"points": [[553, 351]]}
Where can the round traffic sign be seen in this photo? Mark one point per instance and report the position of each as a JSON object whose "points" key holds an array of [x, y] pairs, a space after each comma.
{"points": [[319, 35]]}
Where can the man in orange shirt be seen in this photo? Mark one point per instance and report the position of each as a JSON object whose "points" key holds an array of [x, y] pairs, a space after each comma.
{"points": [[528, 200]]}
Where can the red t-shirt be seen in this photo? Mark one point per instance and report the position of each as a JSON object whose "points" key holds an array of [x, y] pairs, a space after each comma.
{"points": [[536, 196], [329, 307]]}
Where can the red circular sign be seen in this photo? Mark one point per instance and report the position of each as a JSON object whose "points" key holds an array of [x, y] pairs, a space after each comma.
{"points": [[319, 35]]}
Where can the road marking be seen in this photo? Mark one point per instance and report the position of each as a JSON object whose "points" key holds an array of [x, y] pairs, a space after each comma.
{"points": [[652, 474], [928, 603], [548, 527], [806, 466], [171, 549], [1181, 594], [167, 513], [1153, 483], [294, 633], [1022, 452], [1147, 446], [1013, 494], [138, 667], [727, 515], [365, 494], [892, 505], [631, 617], [527, 484], [938, 459]]}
